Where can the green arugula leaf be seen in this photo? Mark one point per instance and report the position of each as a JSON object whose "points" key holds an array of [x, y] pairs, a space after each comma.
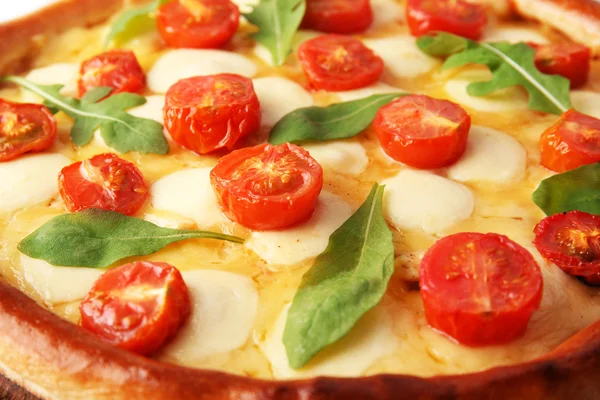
{"points": [[510, 64], [578, 189], [132, 23], [278, 21], [348, 279], [120, 130], [337, 121], [97, 238]]}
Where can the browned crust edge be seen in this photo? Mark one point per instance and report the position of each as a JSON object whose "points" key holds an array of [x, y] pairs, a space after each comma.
{"points": [[58, 360]]}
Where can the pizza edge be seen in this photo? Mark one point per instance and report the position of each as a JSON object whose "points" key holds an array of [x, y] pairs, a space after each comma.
{"points": [[53, 358]]}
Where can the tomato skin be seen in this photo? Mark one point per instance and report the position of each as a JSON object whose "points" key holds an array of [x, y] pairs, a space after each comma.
{"points": [[408, 130], [118, 69], [268, 187], [24, 128], [571, 60], [145, 321], [338, 63], [573, 141], [105, 181], [479, 289], [571, 240], [214, 25], [338, 16], [458, 17], [207, 113]]}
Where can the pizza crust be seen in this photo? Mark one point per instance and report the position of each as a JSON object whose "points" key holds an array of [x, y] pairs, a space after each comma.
{"points": [[55, 359]]}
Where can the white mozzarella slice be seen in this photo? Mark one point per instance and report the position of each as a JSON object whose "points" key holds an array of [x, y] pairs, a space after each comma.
{"points": [[224, 307], [58, 284], [152, 109], [586, 102], [491, 156], [370, 339], [246, 6], [349, 158], [179, 64], [301, 36], [386, 11], [65, 74], [295, 244], [29, 180], [401, 56], [278, 97], [421, 200], [377, 88], [190, 194], [514, 35], [509, 99]]}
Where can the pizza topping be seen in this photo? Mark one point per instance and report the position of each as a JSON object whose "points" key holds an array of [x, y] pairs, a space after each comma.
{"points": [[268, 187], [138, 307], [117, 69], [479, 289], [277, 22], [337, 121], [459, 17], [197, 23], [351, 275], [206, 113], [103, 238], [423, 132], [338, 16], [132, 22], [278, 97], [570, 60], [24, 128], [106, 182], [571, 241], [510, 65], [574, 140], [337, 63]]}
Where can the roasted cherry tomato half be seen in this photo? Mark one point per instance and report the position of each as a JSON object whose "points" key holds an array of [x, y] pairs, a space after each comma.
{"points": [[206, 113], [423, 132], [458, 17], [570, 60], [24, 128], [268, 187], [104, 181], [338, 16], [197, 23], [479, 289], [118, 69], [571, 240], [138, 307], [573, 141], [337, 63]]}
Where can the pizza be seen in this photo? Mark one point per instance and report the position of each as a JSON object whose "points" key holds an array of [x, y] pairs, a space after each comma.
{"points": [[289, 199]]}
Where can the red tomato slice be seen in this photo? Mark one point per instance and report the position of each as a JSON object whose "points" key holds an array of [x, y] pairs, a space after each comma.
{"points": [[571, 241], [197, 23], [138, 307], [24, 128], [105, 181], [570, 60], [479, 289], [268, 187], [457, 16], [338, 16], [118, 69], [206, 113], [337, 63], [423, 132], [573, 141]]}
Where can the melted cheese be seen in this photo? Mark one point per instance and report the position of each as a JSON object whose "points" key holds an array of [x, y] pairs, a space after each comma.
{"points": [[491, 156], [65, 74], [401, 56], [224, 307], [309, 239], [152, 109], [385, 12], [378, 88], [514, 35], [343, 157], [278, 97], [175, 65], [29, 180], [586, 102], [421, 200]]}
